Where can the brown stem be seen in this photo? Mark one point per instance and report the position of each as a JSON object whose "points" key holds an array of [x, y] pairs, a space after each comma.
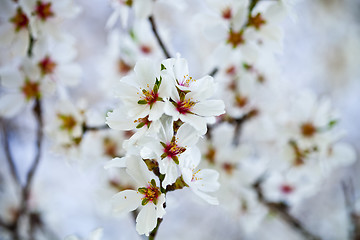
{"points": [[282, 211], [8, 154], [349, 196], [161, 43], [154, 232], [88, 128]]}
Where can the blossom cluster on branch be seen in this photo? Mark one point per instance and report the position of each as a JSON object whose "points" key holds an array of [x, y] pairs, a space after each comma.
{"points": [[188, 95]]}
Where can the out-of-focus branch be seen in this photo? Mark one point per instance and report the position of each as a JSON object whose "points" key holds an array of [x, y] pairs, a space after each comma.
{"points": [[282, 211], [154, 232], [349, 196], [161, 43], [88, 128], [8, 154]]}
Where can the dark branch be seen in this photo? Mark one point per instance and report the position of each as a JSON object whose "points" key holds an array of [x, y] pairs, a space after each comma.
{"points": [[9, 157], [282, 211], [162, 45], [88, 128]]}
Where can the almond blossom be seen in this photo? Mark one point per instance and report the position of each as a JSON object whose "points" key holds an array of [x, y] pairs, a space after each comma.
{"points": [[148, 196]]}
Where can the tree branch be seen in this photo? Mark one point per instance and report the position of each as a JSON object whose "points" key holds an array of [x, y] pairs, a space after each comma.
{"points": [[161, 43], [282, 211], [8, 154]]}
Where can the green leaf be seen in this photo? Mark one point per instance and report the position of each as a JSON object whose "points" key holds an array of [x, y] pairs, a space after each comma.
{"points": [[163, 67], [164, 155], [142, 102]]}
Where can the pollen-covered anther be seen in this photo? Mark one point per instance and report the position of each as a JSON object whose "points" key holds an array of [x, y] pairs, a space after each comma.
{"points": [[149, 97], [172, 150], [43, 10], [186, 81], [194, 178], [142, 122], [151, 193], [20, 20], [185, 106]]}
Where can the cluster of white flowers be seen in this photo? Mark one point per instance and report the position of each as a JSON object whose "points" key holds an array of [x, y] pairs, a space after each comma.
{"points": [[232, 130], [169, 111]]}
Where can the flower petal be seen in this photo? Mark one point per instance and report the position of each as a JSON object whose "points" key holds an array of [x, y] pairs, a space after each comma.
{"points": [[146, 220], [126, 201]]}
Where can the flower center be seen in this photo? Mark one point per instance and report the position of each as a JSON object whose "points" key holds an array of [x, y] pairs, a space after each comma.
{"points": [[110, 147], [210, 155], [308, 129], [241, 101], [31, 89], [145, 49], [286, 188], [20, 20], [151, 193], [184, 106], [68, 122], [172, 150], [186, 81], [229, 168], [226, 13], [149, 97], [128, 2], [256, 21], [143, 121], [47, 66], [236, 38], [123, 67], [43, 10]]}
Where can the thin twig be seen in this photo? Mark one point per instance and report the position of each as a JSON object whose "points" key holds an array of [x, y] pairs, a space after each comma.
{"points": [[282, 211], [39, 137], [161, 43], [154, 232], [88, 128], [349, 196], [8, 154]]}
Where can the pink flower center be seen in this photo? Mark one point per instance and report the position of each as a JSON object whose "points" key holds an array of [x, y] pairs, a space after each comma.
{"points": [[184, 107], [226, 13], [145, 49], [43, 10], [172, 149], [287, 189], [47, 65], [151, 193], [20, 20], [150, 96]]}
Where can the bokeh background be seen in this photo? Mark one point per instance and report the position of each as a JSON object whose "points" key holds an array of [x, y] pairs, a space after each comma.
{"points": [[321, 51]]}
